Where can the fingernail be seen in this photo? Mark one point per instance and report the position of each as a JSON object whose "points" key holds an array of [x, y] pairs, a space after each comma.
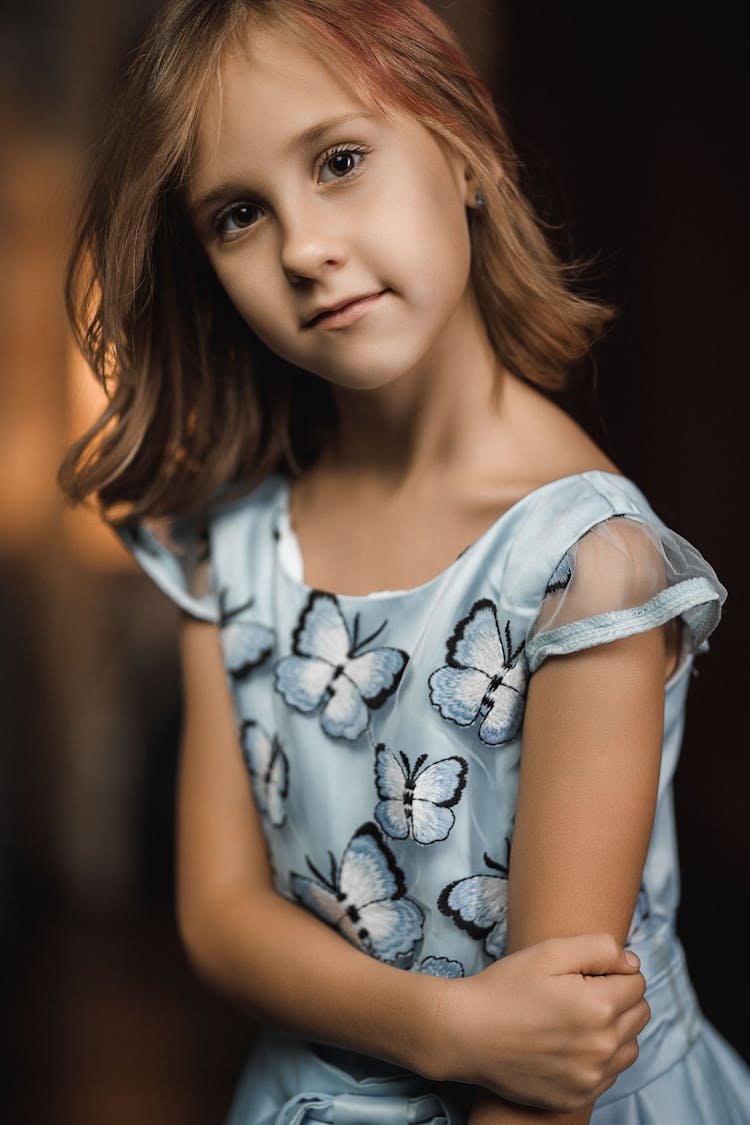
{"points": [[632, 958]]}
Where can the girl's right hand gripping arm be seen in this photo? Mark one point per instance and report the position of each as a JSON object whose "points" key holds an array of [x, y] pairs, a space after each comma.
{"points": [[529, 1027]]}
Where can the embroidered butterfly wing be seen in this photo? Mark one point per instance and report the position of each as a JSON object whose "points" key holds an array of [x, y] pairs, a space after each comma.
{"points": [[440, 967], [478, 905], [269, 770], [418, 800], [327, 672], [484, 676], [244, 643], [365, 900]]}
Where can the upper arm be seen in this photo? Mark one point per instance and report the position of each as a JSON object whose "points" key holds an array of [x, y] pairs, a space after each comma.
{"points": [[220, 845], [592, 739]]}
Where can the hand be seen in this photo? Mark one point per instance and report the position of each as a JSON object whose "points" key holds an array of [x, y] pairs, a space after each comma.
{"points": [[550, 1026]]}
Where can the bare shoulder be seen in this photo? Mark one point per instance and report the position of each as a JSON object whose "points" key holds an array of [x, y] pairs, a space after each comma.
{"points": [[549, 443]]}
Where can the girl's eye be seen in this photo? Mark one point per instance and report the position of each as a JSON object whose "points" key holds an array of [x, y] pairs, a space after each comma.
{"points": [[341, 162], [235, 218]]}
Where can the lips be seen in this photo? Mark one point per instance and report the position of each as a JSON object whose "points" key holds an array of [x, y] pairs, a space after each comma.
{"points": [[346, 303]]}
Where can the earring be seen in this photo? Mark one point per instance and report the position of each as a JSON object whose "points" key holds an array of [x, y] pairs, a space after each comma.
{"points": [[479, 199]]}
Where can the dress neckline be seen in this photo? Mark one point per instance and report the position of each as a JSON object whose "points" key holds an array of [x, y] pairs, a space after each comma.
{"points": [[286, 535]]}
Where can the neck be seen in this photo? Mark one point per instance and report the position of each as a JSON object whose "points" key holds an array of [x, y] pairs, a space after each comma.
{"points": [[429, 421]]}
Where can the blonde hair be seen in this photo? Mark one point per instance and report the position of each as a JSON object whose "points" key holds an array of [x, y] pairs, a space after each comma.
{"points": [[195, 400]]}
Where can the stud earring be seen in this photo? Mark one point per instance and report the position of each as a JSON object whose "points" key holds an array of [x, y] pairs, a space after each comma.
{"points": [[479, 199]]}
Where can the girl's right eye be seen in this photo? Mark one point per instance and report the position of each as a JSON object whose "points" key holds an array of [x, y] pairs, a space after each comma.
{"points": [[236, 218]]}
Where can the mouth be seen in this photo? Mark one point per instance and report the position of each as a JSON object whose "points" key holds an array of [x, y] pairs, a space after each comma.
{"points": [[346, 312]]}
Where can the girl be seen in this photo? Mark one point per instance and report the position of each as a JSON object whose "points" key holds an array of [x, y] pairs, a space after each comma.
{"points": [[436, 647]]}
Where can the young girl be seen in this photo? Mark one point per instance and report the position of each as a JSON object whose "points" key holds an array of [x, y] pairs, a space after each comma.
{"points": [[436, 646]]}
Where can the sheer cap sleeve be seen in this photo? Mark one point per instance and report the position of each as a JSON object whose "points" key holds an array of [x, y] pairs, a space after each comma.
{"points": [[176, 556], [623, 576]]}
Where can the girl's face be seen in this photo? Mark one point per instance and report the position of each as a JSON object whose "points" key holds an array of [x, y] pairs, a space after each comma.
{"points": [[304, 200]]}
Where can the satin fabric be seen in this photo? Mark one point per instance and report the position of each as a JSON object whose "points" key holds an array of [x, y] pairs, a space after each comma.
{"points": [[289, 1082], [434, 679]]}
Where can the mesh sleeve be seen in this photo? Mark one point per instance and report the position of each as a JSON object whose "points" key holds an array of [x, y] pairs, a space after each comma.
{"points": [[176, 556], [622, 577]]}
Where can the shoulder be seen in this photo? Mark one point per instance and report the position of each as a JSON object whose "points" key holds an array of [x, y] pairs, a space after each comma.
{"points": [[194, 558], [548, 444], [540, 466]]}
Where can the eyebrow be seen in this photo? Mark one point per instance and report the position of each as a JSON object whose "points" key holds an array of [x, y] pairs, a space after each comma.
{"points": [[312, 135]]}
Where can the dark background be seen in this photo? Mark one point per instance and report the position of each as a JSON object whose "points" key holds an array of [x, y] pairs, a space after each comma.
{"points": [[631, 121]]}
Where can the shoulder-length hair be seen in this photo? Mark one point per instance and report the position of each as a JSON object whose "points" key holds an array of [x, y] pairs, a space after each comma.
{"points": [[196, 403]]}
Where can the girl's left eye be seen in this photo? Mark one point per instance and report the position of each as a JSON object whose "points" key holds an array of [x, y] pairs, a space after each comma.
{"points": [[342, 162]]}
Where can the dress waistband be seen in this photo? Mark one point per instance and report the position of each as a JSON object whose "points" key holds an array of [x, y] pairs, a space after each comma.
{"points": [[363, 1109], [676, 1018]]}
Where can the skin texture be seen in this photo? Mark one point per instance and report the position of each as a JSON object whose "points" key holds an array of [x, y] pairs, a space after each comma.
{"points": [[439, 440], [589, 773], [396, 222]]}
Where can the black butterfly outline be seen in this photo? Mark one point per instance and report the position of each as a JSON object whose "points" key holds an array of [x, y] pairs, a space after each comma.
{"points": [[402, 792], [245, 644], [268, 766], [480, 690], [388, 925], [458, 901], [446, 967], [353, 684]]}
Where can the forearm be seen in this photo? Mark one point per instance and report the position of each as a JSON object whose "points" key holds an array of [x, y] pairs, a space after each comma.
{"points": [[490, 1110], [288, 968]]}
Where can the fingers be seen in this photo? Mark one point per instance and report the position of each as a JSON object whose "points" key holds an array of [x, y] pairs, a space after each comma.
{"points": [[632, 1022], [617, 994], [628, 1027], [592, 955]]}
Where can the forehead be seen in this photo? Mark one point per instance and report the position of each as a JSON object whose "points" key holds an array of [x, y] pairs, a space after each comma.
{"points": [[270, 88]]}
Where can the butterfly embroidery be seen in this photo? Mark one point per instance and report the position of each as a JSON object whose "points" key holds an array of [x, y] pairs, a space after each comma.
{"points": [[440, 967], [417, 800], [269, 771], [245, 644], [364, 899], [484, 676], [479, 905], [561, 577], [330, 672]]}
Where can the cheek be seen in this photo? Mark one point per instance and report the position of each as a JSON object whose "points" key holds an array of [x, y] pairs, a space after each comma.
{"points": [[430, 235], [254, 294]]}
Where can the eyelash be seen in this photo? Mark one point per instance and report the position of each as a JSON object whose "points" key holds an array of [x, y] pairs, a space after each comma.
{"points": [[339, 150], [326, 158]]}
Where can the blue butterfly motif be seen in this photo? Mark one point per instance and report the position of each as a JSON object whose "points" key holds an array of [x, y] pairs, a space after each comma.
{"points": [[244, 643], [417, 800], [330, 672], [478, 904], [484, 676], [440, 967], [365, 898], [269, 771], [561, 577]]}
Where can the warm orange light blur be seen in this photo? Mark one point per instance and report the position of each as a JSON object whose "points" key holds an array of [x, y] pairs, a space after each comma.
{"points": [[89, 539], [47, 395]]}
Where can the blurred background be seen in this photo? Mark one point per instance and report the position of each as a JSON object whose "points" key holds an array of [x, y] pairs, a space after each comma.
{"points": [[631, 123]]}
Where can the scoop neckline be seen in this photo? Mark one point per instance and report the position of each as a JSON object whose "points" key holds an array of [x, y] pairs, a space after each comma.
{"points": [[284, 509]]}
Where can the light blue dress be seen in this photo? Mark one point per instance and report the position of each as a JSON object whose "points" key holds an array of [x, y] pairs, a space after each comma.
{"points": [[382, 737]]}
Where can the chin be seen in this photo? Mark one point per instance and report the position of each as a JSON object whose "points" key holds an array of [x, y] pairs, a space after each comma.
{"points": [[361, 381], [368, 374]]}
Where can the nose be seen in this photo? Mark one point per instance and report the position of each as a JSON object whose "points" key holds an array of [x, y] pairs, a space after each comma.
{"points": [[312, 241]]}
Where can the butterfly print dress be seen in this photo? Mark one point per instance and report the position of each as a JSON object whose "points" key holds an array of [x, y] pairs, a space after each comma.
{"points": [[382, 738]]}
